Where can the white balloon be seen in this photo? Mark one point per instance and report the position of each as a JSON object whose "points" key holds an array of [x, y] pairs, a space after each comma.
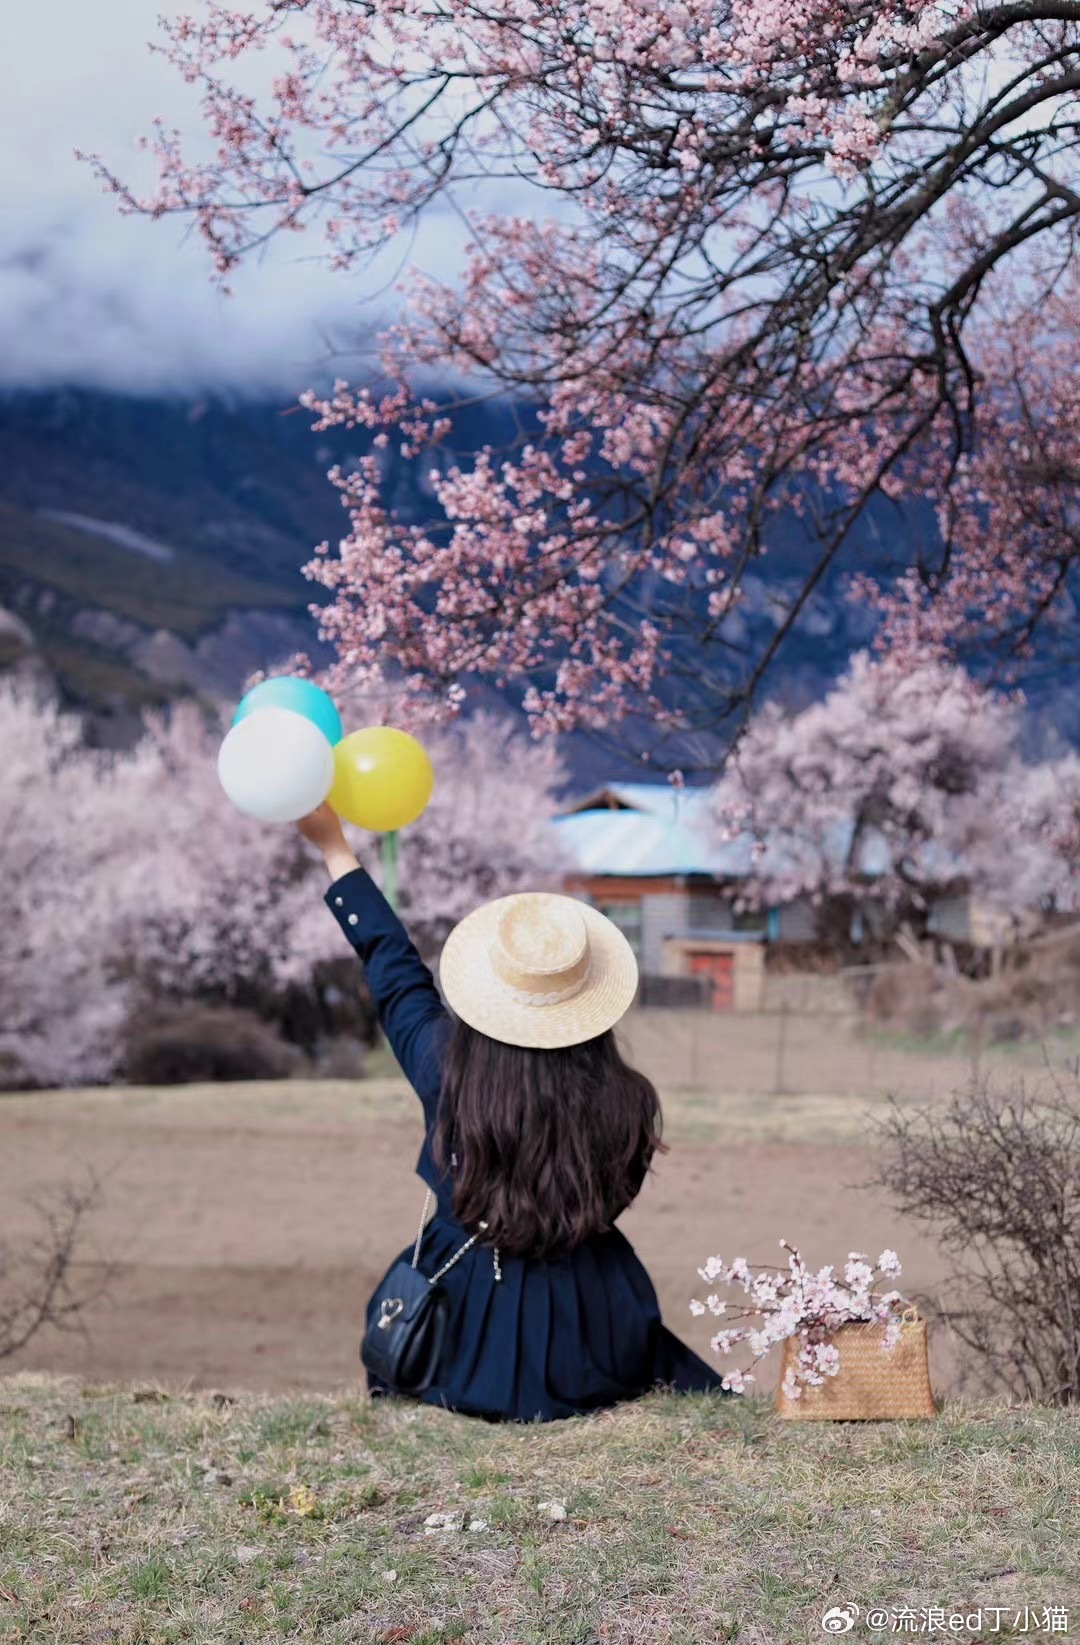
{"points": [[276, 765]]}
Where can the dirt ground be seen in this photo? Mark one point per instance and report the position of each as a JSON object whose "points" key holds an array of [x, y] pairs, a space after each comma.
{"points": [[247, 1224]]}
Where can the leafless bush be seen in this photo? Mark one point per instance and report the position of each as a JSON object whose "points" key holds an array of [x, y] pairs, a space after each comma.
{"points": [[37, 1284], [1037, 985], [340, 1058], [997, 1173], [334, 1001], [919, 998], [1032, 990], [183, 1043]]}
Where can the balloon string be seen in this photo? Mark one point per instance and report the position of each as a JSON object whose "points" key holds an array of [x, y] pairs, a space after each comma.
{"points": [[389, 854]]}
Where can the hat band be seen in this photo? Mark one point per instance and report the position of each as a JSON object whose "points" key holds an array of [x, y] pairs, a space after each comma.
{"points": [[525, 996]]}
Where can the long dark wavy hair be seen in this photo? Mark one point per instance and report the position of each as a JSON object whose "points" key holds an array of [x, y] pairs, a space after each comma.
{"points": [[550, 1145]]}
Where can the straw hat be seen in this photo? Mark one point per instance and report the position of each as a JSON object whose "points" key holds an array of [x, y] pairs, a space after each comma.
{"points": [[538, 969]]}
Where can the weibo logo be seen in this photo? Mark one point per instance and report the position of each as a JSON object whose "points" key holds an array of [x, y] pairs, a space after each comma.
{"points": [[840, 1619]]}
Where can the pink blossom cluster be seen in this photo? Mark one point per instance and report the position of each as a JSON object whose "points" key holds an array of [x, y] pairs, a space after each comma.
{"points": [[1007, 510], [798, 1302], [906, 781], [772, 258], [396, 92]]}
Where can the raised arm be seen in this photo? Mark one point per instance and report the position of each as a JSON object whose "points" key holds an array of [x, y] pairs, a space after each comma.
{"points": [[411, 1012]]}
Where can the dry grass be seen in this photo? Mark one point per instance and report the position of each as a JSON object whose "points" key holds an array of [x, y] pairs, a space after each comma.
{"points": [[690, 1114], [687, 1520]]}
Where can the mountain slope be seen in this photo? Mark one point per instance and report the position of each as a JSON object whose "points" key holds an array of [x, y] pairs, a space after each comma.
{"points": [[150, 548]]}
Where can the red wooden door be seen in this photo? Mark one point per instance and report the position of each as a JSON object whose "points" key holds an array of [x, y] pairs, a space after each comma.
{"points": [[721, 968]]}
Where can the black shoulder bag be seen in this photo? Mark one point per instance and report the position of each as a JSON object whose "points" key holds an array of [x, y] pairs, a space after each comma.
{"points": [[407, 1319]]}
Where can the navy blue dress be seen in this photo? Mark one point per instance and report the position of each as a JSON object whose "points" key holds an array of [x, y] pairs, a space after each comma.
{"points": [[552, 1338]]}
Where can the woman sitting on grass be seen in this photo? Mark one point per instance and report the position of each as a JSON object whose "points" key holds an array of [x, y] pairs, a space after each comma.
{"points": [[538, 1136]]}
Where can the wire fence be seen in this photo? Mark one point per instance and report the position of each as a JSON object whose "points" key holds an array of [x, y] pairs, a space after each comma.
{"points": [[783, 1051]]}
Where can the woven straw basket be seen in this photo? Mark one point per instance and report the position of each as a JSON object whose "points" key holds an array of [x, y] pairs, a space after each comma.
{"points": [[873, 1383]]}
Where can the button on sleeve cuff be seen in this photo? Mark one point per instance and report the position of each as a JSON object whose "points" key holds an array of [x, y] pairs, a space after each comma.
{"points": [[357, 904]]}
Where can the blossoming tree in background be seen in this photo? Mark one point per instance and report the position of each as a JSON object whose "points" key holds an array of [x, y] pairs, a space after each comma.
{"points": [[1039, 821], [209, 904], [133, 881], [763, 263], [129, 879], [61, 828], [902, 784]]}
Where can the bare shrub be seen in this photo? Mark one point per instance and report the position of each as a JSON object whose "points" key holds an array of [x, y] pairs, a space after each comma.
{"points": [[1038, 985], [1031, 990], [15, 1075], [37, 1285], [183, 1043], [919, 998], [997, 1173]]}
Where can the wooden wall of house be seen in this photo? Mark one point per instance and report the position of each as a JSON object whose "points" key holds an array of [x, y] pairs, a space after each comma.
{"points": [[668, 909], [708, 910], [795, 922], [663, 914]]}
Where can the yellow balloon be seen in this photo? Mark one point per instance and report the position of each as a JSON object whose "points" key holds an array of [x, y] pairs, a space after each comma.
{"points": [[382, 778]]}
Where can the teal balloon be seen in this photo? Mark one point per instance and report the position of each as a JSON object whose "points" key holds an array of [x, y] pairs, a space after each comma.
{"points": [[300, 697]]}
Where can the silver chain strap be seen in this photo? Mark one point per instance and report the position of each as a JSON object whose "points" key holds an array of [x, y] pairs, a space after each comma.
{"points": [[448, 1265]]}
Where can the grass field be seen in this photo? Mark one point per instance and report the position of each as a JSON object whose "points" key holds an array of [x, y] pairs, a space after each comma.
{"points": [[124, 1521], [206, 1467]]}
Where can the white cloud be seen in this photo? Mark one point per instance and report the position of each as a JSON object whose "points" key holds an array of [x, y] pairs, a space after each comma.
{"points": [[90, 297]]}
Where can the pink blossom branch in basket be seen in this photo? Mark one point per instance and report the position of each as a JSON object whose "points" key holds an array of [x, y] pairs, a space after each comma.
{"points": [[795, 1301]]}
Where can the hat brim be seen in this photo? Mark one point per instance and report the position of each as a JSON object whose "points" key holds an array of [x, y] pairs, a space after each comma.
{"points": [[479, 996]]}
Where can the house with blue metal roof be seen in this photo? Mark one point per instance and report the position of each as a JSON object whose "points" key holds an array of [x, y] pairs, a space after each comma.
{"points": [[651, 857]]}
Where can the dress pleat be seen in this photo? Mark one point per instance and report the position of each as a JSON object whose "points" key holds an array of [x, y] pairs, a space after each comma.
{"points": [[551, 1339]]}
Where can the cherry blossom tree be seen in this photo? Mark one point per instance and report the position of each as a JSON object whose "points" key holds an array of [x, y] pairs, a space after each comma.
{"points": [[215, 906], [767, 261], [1037, 824], [61, 827], [129, 879], [903, 784]]}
